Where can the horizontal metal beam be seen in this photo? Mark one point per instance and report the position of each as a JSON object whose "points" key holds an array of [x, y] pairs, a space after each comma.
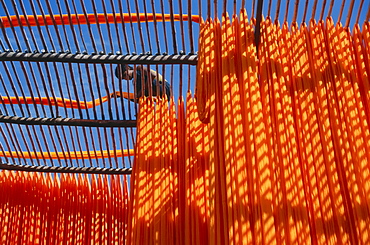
{"points": [[67, 122], [50, 169], [98, 58]]}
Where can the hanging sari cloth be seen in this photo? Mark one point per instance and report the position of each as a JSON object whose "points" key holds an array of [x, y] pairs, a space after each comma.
{"points": [[169, 184], [289, 133]]}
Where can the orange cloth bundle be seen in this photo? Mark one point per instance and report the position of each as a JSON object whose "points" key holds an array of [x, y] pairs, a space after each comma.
{"points": [[54, 209], [169, 178], [289, 135]]}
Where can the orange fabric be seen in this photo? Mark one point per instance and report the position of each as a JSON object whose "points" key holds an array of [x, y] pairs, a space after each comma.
{"points": [[289, 135], [61, 102], [74, 19], [68, 155], [54, 209], [169, 184], [205, 70]]}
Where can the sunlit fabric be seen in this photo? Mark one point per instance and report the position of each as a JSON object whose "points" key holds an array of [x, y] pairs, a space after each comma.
{"points": [[169, 183], [67, 155], [289, 135], [67, 208], [60, 102], [65, 19], [286, 144]]}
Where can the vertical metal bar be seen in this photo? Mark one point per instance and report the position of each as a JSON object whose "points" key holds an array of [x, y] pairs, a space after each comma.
{"points": [[156, 28], [132, 28], [257, 33], [305, 11], [11, 26], [54, 24], [269, 8], [6, 125], [22, 139], [359, 11], [182, 27], [51, 89], [174, 42], [112, 135], [28, 25], [5, 37], [124, 27], [295, 10], [43, 109], [108, 27], [234, 10], [341, 11], [66, 37], [277, 10], [89, 81], [164, 27], [43, 82], [331, 7], [13, 87], [314, 10], [2, 149], [99, 92], [116, 27], [59, 141], [8, 95], [88, 27], [107, 146], [139, 26], [149, 36], [72, 26], [349, 15], [5, 137], [85, 139], [286, 10], [78, 139], [322, 9], [190, 28], [98, 26], [65, 109], [39, 28], [79, 25], [31, 90], [64, 136], [106, 87]]}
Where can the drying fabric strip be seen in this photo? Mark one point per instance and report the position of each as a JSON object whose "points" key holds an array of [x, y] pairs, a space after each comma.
{"points": [[65, 19], [60, 102], [68, 155]]}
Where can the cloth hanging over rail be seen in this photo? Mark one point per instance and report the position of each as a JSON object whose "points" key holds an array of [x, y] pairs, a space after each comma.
{"points": [[289, 136], [169, 179]]}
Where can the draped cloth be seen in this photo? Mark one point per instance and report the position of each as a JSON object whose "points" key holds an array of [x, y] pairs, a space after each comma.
{"points": [[169, 184], [283, 154]]}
